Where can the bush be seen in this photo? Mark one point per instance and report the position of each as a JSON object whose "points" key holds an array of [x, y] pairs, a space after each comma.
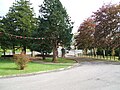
{"points": [[21, 60]]}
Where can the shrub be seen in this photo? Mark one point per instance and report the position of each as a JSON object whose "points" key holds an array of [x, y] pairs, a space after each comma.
{"points": [[21, 60]]}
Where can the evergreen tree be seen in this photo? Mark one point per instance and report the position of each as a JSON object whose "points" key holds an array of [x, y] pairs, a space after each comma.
{"points": [[4, 41], [56, 24], [20, 21], [43, 45], [1, 26]]}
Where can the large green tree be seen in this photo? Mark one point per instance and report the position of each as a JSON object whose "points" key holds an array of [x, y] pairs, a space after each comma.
{"points": [[1, 26], [56, 23], [4, 41], [20, 21], [43, 45]]}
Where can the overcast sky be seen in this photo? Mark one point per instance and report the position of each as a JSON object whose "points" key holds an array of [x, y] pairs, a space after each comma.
{"points": [[78, 10]]}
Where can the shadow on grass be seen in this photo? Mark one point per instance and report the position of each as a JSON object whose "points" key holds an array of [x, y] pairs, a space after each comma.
{"points": [[52, 64], [57, 64], [6, 61], [8, 68]]}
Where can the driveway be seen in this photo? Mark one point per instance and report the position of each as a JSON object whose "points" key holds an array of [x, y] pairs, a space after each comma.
{"points": [[89, 75]]}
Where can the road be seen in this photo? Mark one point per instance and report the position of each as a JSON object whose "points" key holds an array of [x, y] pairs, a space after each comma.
{"points": [[87, 76]]}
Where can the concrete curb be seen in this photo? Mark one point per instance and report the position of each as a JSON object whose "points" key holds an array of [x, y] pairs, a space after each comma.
{"points": [[37, 73]]}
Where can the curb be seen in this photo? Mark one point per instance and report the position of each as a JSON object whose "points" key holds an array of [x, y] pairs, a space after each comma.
{"points": [[37, 73]]}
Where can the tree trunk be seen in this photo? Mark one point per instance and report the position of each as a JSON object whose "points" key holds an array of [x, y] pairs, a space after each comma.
{"points": [[95, 51], [85, 51], [91, 52], [107, 53], [22, 67], [119, 54], [43, 56], [13, 51], [63, 53], [55, 52], [4, 52], [31, 53], [103, 53], [113, 52], [24, 50]]}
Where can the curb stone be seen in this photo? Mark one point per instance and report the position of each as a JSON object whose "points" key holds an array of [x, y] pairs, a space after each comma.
{"points": [[41, 72]]}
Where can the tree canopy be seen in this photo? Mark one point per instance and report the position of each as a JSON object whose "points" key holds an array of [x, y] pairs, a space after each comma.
{"points": [[20, 21], [54, 25], [105, 29], [85, 37], [107, 25]]}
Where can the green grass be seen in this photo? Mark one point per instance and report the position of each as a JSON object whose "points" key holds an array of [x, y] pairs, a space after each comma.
{"points": [[8, 67], [17, 51], [107, 58], [60, 60]]}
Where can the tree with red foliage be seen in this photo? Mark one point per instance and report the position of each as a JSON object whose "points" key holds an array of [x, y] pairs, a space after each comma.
{"points": [[107, 20], [85, 37]]}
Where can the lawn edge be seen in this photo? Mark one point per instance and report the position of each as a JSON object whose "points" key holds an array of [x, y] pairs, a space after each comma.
{"points": [[41, 72]]}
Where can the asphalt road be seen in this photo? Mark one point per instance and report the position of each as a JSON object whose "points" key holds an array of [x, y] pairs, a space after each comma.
{"points": [[87, 76]]}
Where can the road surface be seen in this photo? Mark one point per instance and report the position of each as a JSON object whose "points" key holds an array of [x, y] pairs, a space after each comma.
{"points": [[87, 76]]}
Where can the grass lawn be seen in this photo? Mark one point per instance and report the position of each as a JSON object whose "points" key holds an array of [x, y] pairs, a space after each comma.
{"points": [[8, 67], [107, 58], [60, 60]]}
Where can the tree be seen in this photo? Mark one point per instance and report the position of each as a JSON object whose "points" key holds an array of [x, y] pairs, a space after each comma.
{"points": [[43, 45], [20, 21], [57, 26], [85, 38], [1, 26], [4, 41], [107, 20]]}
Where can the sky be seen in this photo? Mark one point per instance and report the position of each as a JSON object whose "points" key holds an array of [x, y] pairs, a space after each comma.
{"points": [[78, 10]]}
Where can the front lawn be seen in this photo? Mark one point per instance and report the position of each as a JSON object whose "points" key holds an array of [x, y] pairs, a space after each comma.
{"points": [[60, 60], [8, 67]]}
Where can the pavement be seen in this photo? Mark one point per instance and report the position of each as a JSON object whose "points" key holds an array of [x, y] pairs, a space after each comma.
{"points": [[88, 75]]}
